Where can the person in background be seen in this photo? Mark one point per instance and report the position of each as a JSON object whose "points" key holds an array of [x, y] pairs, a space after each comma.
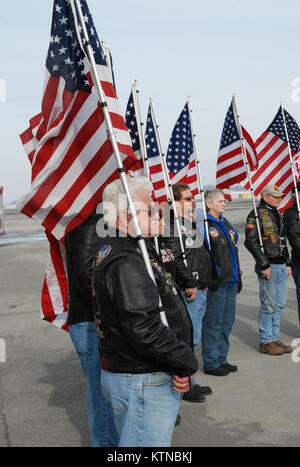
{"points": [[81, 246], [292, 227], [194, 277], [221, 301], [272, 268]]}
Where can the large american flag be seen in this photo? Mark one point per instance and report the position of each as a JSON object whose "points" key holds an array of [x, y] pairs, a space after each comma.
{"points": [[181, 155], [132, 125], [273, 156], [68, 147], [230, 164], [154, 160]]}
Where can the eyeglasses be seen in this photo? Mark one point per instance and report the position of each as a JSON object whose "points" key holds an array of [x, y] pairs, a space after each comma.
{"points": [[151, 211], [189, 198]]}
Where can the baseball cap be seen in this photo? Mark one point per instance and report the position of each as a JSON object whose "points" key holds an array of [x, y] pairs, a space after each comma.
{"points": [[272, 190]]}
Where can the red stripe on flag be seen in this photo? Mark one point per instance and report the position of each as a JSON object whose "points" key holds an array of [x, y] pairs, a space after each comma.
{"points": [[49, 98], [48, 149], [83, 136]]}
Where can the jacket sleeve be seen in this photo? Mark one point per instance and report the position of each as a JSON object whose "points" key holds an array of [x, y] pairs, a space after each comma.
{"points": [[292, 230], [252, 243], [135, 296]]}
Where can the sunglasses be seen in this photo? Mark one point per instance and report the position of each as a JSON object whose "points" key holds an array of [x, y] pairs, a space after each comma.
{"points": [[189, 198]]}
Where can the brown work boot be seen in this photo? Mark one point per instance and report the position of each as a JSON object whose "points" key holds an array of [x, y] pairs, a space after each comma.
{"points": [[285, 348], [271, 348]]}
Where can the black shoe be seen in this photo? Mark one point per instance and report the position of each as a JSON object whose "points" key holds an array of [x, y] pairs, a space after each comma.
{"points": [[204, 390], [178, 420], [193, 396], [230, 368], [219, 371]]}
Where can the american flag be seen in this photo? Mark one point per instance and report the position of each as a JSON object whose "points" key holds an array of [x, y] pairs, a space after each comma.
{"points": [[68, 147], [132, 125], [273, 156], [181, 156], [154, 160], [230, 164]]}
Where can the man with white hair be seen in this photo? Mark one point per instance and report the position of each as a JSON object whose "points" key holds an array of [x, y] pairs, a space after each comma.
{"points": [[146, 366], [272, 268]]}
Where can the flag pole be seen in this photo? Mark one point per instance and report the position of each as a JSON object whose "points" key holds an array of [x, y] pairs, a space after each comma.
{"points": [[141, 135], [246, 164], [140, 127], [106, 51], [199, 178], [111, 135], [291, 158], [168, 185]]}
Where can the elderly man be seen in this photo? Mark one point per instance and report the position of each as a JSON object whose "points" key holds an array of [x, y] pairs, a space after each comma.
{"points": [[146, 366], [272, 268], [292, 226]]}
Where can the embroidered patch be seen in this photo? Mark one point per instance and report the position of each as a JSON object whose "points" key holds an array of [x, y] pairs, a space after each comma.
{"points": [[232, 236], [104, 251], [250, 226], [213, 232], [189, 242]]}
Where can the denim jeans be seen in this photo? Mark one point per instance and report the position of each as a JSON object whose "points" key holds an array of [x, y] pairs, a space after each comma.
{"points": [[217, 325], [272, 294], [296, 276], [145, 407], [86, 341], [196, 309]]}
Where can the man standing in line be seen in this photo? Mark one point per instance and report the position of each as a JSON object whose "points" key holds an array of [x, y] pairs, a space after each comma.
{"points": [[146, 366], [272, 267], [194, 282], [292, 227], [81, 247]]}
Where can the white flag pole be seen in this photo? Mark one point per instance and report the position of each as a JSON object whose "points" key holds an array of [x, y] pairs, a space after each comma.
{"points": [[111, 135], [199, 177], [106, 51], [140, 127], [168, 185], [291, 159], [246, 164]]}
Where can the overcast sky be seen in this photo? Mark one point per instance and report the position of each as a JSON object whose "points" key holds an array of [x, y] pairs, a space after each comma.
{"points": [[175, 49]]}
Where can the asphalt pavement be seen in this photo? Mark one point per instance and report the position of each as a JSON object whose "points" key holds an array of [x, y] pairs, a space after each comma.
{"points": [[42, 389]]}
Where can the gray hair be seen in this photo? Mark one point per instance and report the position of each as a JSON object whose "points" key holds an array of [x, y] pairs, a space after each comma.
{"points": [[210, 195], [115, 200]]}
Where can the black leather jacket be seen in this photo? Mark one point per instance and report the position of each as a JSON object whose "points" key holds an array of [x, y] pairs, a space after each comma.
{"points": [[81, 245], [133, 337], [292, 229], [273, 237], [199, 268]]}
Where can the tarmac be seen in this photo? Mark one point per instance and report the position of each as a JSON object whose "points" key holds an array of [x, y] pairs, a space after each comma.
{"points": [[42, 388]]}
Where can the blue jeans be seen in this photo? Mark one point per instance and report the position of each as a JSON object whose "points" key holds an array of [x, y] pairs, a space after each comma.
{"points": [[296, 276], [217, 325], [272, 294], [196, 309], [145, 407], [86, 341]]}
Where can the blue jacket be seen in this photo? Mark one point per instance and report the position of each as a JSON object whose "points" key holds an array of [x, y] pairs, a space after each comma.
{"points": [[223, 242]]}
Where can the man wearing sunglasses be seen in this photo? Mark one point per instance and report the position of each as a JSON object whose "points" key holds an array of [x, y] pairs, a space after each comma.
{"points": [[193, 278], [272, 268], [146, 366]]}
